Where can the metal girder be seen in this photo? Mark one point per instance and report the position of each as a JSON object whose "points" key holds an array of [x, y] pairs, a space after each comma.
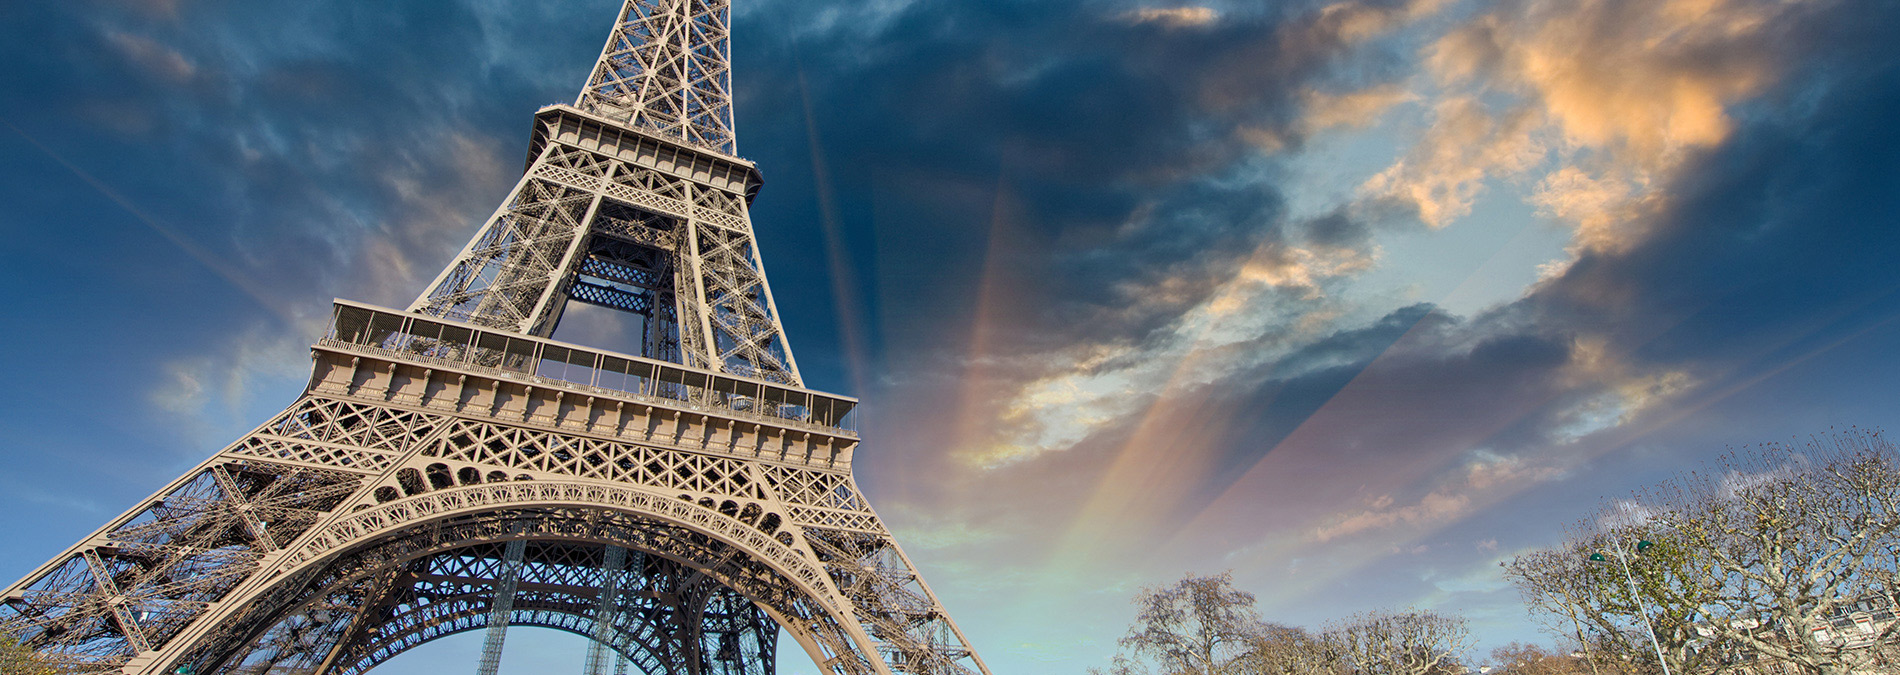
{"points": [[798, 541], [450, 469], [612, 568], [573, 204], [667, 68], [502, 607], [663, 76]]}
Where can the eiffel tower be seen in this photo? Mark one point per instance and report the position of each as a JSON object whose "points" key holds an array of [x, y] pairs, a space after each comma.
{"points": [[452, 468]]}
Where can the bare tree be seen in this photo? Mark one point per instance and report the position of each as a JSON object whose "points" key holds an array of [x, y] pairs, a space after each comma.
{"points": [[1204, 626], [1408, 643], [1787, 548], [1519, 658], [1290, 650], [1754, 562], [1545, 580], [1592, 601], [1197, 626]]}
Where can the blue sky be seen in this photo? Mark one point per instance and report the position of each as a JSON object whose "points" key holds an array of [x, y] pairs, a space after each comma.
{"points": [[1353, 298]]}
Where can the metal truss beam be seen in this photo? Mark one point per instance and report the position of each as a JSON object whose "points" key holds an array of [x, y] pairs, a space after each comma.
{"points": [[666, 68], [451, 468], [612, 569], [502, 609]]}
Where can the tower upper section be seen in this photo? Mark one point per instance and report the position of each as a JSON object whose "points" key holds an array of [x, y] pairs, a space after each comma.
{"points": [[667, 69], [633, 202]]}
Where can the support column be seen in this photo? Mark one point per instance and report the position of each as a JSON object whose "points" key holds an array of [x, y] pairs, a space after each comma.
{"points": [[503, 607], [605, 609]]}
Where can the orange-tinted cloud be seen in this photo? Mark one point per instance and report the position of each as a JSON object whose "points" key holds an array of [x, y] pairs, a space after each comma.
{"points": [[1646, 78], [1466, 144], [1173, 17], [1626, 88]]}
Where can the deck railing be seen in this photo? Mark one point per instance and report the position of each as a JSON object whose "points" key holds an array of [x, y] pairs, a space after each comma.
{"points": [[415, 337]]}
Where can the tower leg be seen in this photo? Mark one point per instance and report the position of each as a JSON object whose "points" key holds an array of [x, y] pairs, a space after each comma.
{"points": [[615, 560], [503, 608]]}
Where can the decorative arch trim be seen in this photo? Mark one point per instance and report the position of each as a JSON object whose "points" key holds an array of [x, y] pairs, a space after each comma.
{"points": [[368, 524]]}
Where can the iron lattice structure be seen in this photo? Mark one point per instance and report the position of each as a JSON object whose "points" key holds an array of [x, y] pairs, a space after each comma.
{"points": [[451, 467]]}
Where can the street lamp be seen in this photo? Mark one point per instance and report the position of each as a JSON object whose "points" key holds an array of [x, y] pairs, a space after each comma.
{"points": [[1635, 599]]}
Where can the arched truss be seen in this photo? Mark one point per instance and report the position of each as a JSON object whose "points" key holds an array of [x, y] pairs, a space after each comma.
{"points": [[316, 604], [666, 617], [736, 638]]}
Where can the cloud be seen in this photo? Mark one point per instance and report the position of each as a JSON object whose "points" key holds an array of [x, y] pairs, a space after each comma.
{"points": [[1649, 79], [1623, 513], [1173, 17], [1466, 145], [1720, 276], [1622, 390], [1479, 579], [1091, 301], [1621, 89], [214, 396], [1271, 304], [1604, 208], [152, 57], [1484, 478], [1734, 483], [1356, 22], [1353, 109]]}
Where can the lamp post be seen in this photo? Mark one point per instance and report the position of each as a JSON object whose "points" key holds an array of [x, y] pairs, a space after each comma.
{"points": [[1636, 600]]}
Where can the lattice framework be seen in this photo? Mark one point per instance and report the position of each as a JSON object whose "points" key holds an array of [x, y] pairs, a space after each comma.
{"points": [[554, 240], [435, 448], [666, 68], [392, 467]]}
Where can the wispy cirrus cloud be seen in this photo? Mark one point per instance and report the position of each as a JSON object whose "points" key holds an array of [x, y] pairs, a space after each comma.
{"points": [[1272, 304], [1486, 479], [1173, 17]]}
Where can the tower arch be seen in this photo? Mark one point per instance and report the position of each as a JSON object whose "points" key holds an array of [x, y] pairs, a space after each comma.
{"points": [[371, 559]]}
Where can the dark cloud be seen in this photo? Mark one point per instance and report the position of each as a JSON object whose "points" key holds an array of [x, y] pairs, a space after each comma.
{"points": [[1128, 150], [1772, 245], [1763, 250], [292, 137], [299, 151], [1780, 238]]}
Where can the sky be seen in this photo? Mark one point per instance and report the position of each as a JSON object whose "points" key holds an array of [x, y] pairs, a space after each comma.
{"points": [[1354, 298]]}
